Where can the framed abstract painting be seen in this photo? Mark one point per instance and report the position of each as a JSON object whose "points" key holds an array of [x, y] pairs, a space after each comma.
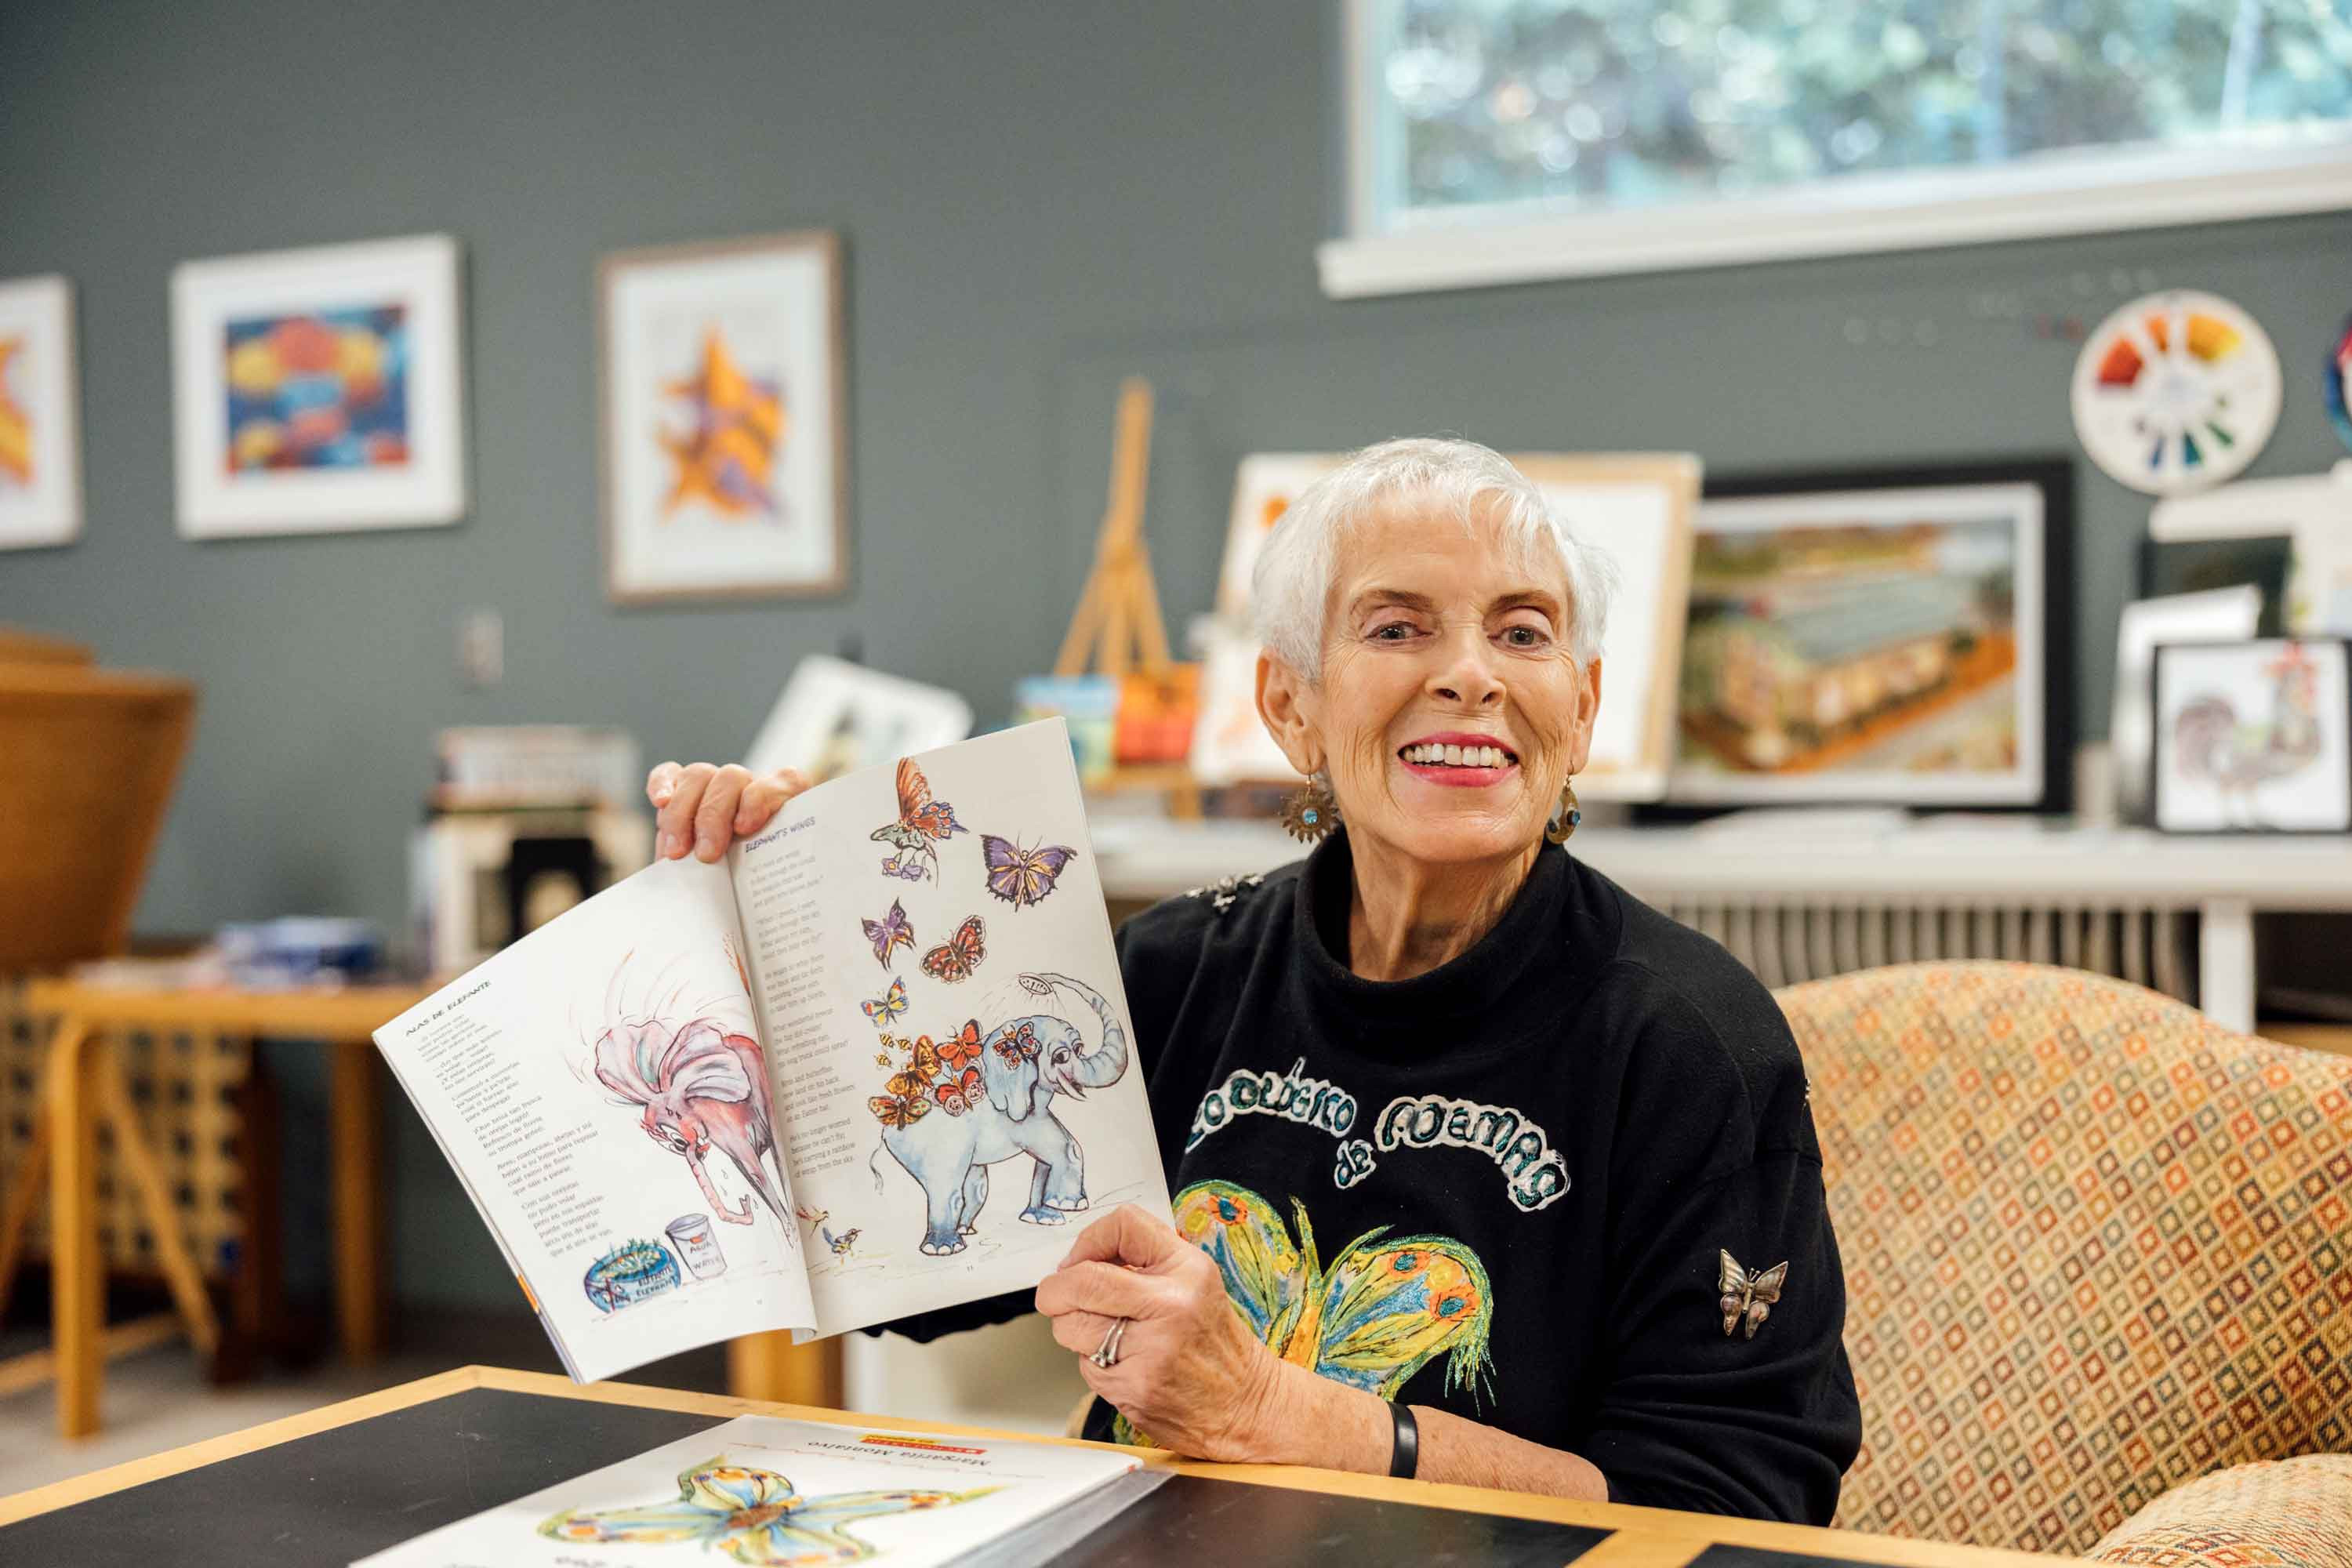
{"points": [[726, 420], [41, 451], [320, 390]]}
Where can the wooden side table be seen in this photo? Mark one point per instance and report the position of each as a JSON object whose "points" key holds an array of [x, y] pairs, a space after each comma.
{"points": [[85, 1084]]}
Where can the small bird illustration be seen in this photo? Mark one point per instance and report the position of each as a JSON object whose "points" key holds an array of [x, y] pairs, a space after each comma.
{"points": [[839, 1243]]}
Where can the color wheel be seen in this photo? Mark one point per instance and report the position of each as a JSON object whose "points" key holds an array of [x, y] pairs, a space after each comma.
{"points": [[2176, 391]]}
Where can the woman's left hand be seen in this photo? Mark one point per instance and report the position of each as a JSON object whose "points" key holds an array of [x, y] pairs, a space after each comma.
{"points": [[1190, 1374]]}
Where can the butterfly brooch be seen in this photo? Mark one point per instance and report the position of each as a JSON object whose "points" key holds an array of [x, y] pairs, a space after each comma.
{"points": [[1383, 1308], [1022, 877], [891, 932], [957, 957], [1746, 1295], [961, 1095], [752, 1516], [923, 824], [889, 1006]]}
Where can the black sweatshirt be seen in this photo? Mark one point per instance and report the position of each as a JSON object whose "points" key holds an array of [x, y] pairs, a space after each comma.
{"points": [[1504, 1188]]}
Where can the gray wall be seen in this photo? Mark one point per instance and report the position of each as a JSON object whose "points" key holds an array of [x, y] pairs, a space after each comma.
{"points": [[1035, 199]]}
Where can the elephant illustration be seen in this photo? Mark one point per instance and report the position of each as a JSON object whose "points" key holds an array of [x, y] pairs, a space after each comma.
{"points": [[702, 1089], [1023, 1064]]}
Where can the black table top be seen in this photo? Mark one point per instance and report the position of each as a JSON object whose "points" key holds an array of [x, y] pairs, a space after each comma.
{"points": [[338, 1495]]}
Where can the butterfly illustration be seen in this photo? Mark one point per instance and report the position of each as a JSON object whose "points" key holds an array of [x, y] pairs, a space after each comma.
{"points": [[1018, 1046], [1377, 1314], [957, 957], [959, 1050], [911, 871], [922, 1068], [891, 932], [898, 1111], [755, 1517], [961, 1095], [1021, 877], [923, 823], [891, 1002], [1747, 1295]]}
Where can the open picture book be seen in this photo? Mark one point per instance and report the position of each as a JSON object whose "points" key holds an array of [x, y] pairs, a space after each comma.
{"points": [[760, 1488], [873, 1062]]}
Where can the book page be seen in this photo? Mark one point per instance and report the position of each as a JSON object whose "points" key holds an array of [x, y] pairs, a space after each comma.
{"points": [[600, 1088], [953, 1061], [760, 1488]]}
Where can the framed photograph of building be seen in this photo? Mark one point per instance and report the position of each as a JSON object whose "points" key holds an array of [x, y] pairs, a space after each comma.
{"points": [[1884, 638], [40, 446], [726, 420], [2254, 737], [320, 390]]}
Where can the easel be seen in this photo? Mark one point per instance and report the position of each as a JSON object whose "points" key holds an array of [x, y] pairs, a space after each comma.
{"points": [[1118, 624]]}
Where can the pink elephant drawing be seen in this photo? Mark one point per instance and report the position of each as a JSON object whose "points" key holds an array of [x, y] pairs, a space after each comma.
{"points": [[702, 1089]]}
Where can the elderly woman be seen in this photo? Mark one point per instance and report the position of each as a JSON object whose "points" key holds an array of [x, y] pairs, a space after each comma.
{"points": [[1486, 1171]]}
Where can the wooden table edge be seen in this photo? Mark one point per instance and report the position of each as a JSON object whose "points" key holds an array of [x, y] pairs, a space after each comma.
{"points": [[1641, 1538]]}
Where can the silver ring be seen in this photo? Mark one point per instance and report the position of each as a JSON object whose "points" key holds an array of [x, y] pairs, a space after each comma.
{"points": [[1107, 1354]]}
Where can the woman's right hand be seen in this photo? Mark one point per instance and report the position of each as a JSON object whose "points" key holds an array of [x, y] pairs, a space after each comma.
{"points": [[704, 807]]}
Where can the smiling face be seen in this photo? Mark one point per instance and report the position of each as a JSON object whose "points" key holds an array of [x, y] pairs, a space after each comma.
{"points": [[1448, 712]]}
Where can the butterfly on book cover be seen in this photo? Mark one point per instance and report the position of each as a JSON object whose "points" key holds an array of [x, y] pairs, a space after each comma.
{"points": [[752, 1515], [1380, 1310], [1022, 877], [891, 932], [885, 1009], [923, 824], [956, 958]]}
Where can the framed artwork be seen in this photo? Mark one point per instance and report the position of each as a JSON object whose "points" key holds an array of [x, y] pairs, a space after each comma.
{"points": [[2254, 737], [726, 420], [40, 445], [2213, 614], [1891, 636], [1639, 508], [1264, 486], [836, 716], [320, 390]]}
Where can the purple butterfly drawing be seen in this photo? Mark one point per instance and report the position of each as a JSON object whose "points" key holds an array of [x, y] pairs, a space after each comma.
{"points": [[892, 932], [1022, 877]]}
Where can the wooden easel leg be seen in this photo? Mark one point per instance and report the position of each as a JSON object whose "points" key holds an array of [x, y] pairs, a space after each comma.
{"points": [[179, 1271], [24, 1197], [357, 1112], [78, 1307], [770, 1366]]}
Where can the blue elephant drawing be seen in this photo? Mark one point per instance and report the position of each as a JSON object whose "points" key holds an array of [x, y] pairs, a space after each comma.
{"points": [[1023, 1064]]}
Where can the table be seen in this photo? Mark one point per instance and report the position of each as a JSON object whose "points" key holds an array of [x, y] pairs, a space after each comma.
{"points": [[85, 1084], [1956, 862], [336, 1483]]}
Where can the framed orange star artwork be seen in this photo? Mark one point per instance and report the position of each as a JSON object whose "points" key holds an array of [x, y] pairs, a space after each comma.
{"points": [[726, 435]]}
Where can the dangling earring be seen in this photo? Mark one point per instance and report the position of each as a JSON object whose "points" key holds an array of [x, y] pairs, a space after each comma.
{"points": [[1557, 830], [1312, 813]]}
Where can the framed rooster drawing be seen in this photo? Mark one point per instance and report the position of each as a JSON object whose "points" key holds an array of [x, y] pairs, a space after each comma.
{"points": [[726, 420], [2254, 737]]}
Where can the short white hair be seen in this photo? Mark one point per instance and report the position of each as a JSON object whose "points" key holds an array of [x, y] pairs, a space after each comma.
{"points": [[1291, 585]]}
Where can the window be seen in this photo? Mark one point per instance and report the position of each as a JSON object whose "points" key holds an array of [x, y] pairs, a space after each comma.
{"points": [[1495, 140]]}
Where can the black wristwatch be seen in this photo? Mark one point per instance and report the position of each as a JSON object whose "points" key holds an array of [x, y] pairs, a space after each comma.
{"points": [[1405, 1457]]}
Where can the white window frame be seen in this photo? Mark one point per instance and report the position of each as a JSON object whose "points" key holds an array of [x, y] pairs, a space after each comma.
{"points": [[2088, 193]]}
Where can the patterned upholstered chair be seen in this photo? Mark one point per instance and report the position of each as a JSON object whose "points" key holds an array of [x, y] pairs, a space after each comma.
{"points": [[2097, 1248]]}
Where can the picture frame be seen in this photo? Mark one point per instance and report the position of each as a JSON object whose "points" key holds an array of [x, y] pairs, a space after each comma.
{"points": [[1265, 484], [836, 716], [724, 390], [40, 415], [320, 390], [2253, 736], [1881, 637]]}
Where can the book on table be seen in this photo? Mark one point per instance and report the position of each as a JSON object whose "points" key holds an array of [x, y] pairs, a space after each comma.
{"points": [[760, 1489], [873, 1062]]}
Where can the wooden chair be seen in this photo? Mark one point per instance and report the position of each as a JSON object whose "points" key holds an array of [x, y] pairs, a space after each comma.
{"points": [[87, 759]]}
